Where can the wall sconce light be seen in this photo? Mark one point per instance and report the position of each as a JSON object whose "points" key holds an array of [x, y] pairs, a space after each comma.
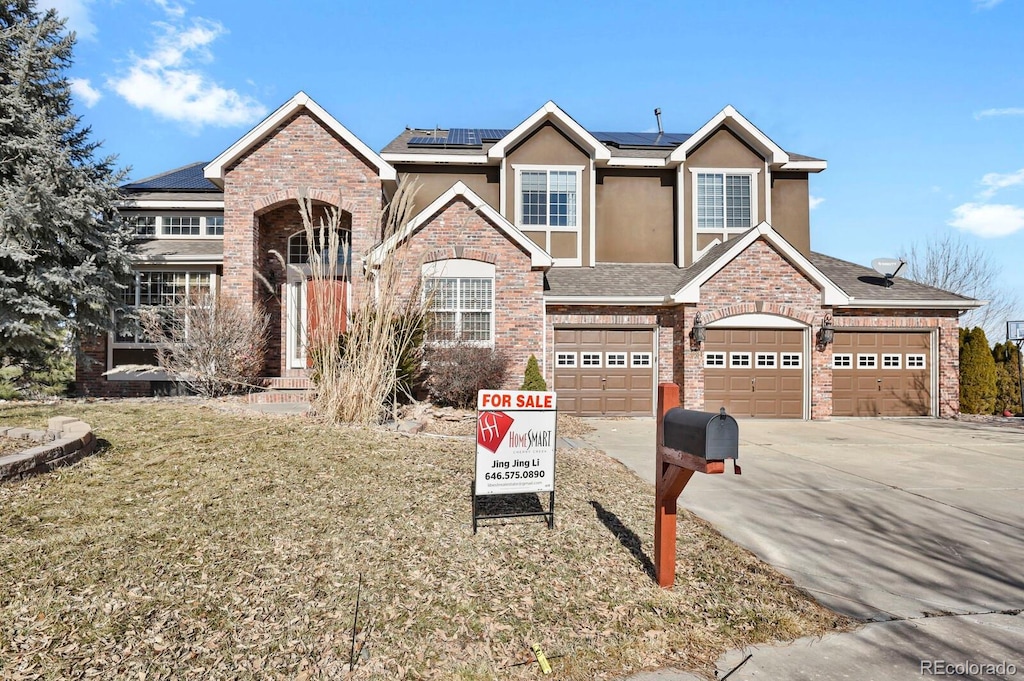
{"points": [[827, 333], [699, 331]]}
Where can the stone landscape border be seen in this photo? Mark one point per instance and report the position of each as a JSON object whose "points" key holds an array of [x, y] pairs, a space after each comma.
{"points": [[65, 440]]}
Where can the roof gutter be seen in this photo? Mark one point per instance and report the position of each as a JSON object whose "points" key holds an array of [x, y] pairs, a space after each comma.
{"points": [[918, 304], [609, 300]]}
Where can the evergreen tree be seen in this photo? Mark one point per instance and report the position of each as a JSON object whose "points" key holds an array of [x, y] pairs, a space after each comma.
{"points": [[1007, 358], [533, 380], [63, 251], [977, 374]]}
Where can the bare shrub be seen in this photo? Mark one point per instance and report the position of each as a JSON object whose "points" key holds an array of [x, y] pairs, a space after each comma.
{"points": [[213, 344], [457, 370], [367, 340]]}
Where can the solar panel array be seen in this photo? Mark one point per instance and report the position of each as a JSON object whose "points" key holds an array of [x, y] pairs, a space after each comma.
{"points": [[474, 137], [642, 139]]}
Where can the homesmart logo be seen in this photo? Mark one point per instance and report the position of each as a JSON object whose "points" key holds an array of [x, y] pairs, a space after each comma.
{"points": [[491, 429]]}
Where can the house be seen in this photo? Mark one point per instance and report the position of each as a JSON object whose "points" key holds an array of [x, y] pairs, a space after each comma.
{"points": [[619, 259]]}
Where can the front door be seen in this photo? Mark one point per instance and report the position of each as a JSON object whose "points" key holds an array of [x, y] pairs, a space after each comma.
{"points": [[314, 307]]}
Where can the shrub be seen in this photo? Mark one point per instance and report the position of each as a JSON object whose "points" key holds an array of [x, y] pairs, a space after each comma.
{"points": [[1007, 358], [532, 379], [977, 374], [213, 345], [457, 370]]}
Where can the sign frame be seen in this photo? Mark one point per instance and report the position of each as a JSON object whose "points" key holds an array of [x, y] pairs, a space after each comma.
{"points": [[516, 440], [1015, 331]]}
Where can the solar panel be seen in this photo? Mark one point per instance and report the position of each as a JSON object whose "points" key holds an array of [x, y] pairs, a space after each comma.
{"points": [[427, 141], [642, 139], [491, 134]]}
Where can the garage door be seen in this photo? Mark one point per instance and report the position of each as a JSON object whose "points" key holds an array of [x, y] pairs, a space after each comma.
{"points": [[878, 373], [755, 372], [602, 372]]}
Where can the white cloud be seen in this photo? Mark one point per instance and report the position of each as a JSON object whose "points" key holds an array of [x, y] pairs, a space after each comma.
{"points": [[84, 91], [173, 9], [986, 4], [993, 182], [988, 220], [168, 82], [1008, 111], [815, 201], [77, 14]]}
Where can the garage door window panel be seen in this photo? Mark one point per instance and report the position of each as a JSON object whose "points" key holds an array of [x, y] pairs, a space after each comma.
{"points": [[867, 361], [915, 361], [640, 359], [565, 359], [714, 359], [739, 359], [891, 361], [792, 360], [765, 360], [842, 360], [615, 359], [590, 360]]}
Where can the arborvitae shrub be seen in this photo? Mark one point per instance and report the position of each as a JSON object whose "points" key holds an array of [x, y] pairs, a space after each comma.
{"points": [[532, 379], [977, 374]]}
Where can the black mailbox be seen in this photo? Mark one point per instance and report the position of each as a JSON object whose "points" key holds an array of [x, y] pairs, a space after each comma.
{"points": [[712, 437]]}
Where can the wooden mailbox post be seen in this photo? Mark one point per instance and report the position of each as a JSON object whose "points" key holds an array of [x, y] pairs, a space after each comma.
{"points": [[674, 470]]}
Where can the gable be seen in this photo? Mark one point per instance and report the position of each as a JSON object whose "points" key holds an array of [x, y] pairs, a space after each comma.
{"points": [[724, 149], [547, 145], [760, 273]]}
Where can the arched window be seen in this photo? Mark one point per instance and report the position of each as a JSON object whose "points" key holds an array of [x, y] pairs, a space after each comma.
{"points": [[299, 247]]}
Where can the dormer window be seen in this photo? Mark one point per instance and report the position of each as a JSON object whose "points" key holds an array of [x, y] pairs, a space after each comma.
{"points": [[548, 207], [724, 205]]}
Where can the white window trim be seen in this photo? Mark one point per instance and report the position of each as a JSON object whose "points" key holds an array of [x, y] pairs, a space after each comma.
{"points": [[462, 268], [559, 356], [746, 355], [899, 361], [726, 232], [707, 357], [774, 362], [600, 362], [624, 356], [874, 360], [161, 217], [518, 169], [799, 360], [848, 356], [112, 341], [634, 356], [917, 355]]}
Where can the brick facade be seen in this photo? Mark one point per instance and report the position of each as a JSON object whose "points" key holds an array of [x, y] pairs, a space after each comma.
{"points": [[458, 231]]}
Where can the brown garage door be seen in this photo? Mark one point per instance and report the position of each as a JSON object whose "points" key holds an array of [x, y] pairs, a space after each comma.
{"points": [[881, 373], [755, 372], [602, 372]]}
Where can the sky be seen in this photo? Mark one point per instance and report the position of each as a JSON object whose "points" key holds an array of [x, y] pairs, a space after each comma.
{"points": [[917, 105]]}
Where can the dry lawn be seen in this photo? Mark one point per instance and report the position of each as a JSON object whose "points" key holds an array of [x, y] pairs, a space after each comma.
{"points": [[204, 544]]}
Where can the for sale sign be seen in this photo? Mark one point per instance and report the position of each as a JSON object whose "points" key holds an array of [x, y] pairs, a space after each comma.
{"points": [[515, 442]]}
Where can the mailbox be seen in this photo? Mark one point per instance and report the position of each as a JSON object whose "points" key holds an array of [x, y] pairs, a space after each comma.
{"points": [[709, 436]]}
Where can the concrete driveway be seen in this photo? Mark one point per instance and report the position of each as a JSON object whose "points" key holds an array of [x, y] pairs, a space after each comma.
{"points": [[910, 522]]}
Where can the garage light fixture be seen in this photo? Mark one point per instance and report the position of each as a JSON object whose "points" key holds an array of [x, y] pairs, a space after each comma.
{"points": [[699, 331], [827, 333]]}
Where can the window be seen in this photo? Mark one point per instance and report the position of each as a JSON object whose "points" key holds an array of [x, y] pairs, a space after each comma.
{"points": [[891, 362], [792, 360], [739, 359], [145, 225], [640, 359], [461, 307], [548, 198], [714, 359], [915, 361], [724, 201], [565, 359], [591, 359], [215, 225], [867, 361], [178, 225], [298, 247], [842, 360], [159, 290], [765, 360], [615, 359]]}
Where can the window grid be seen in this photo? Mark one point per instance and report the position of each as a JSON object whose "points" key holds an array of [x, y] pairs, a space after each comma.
{"points": [[180, 225], [145, 225], [792, 360], [640, 359], [915, 361], [155, 290], [739, 359], [724, 201], [298, 246], [461, 307], [215, 225], [615, 359], [891, 361], [765, 360], [591, 359], [714, 359], [867, 361], [842, 360], [565, 359], [549, 198]]}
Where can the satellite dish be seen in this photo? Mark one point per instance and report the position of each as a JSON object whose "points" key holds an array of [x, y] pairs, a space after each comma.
{"points": [[888, 268]]}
